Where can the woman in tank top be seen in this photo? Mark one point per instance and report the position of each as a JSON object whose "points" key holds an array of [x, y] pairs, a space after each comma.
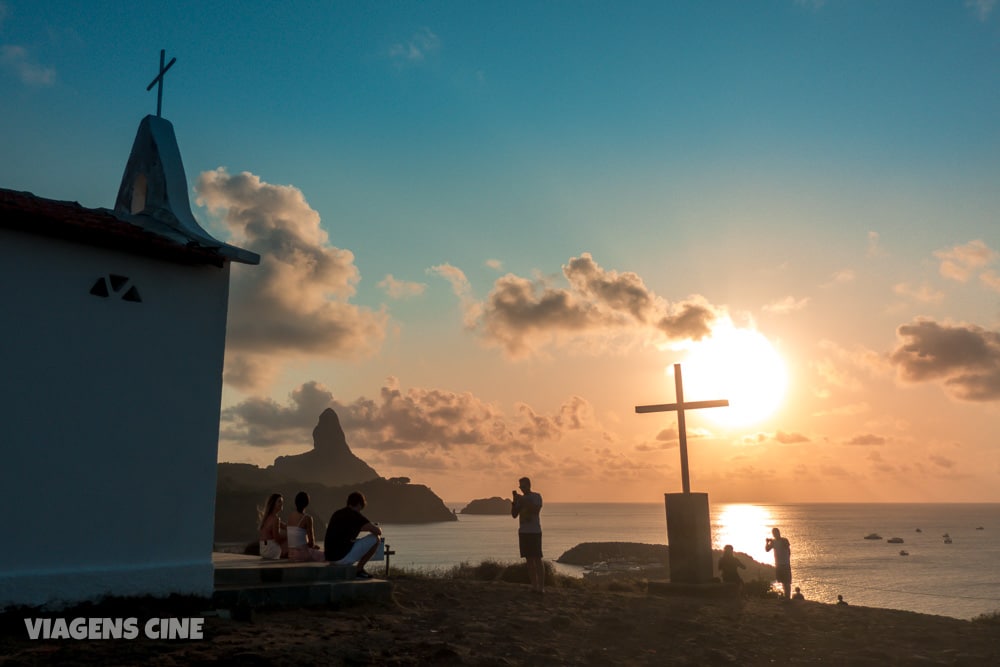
{"points": [[301, 534]]}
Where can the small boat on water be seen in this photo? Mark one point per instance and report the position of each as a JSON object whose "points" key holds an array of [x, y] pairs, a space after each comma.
{"points": [[919, 531], [895, 540], [873, 536], [904, 552], [947, 540], [980, 528]]}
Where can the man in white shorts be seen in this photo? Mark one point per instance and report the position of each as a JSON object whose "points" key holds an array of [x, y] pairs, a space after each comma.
{"points": [[342, 545]]}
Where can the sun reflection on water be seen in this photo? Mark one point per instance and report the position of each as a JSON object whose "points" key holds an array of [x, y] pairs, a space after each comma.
{"points": [[745, 527]]}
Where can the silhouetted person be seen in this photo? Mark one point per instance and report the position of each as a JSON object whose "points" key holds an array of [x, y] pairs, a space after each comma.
{"points": [[782, 560], [340, 543], [529, 531], [798, 594], [271, 532], [301, 536], [840, 600], [729, 566]]}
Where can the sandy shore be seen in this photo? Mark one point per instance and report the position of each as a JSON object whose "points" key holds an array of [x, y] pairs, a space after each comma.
{"points": [[467, 622]]}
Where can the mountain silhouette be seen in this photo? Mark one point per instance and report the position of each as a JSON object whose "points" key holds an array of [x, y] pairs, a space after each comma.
{"points": [[330, 461]]}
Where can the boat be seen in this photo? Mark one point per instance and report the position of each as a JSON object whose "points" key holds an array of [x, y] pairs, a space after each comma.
{"points": [[904, 552], [980, 528], [873, 536], [895, 540], [919, 531], [947, 540]]}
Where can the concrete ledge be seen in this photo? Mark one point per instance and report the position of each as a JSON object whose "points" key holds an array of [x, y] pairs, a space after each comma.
{"points": [[237, 569], [251, 582]]}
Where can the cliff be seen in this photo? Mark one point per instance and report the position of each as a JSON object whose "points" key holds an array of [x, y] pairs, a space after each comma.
{"points": [[494, 505], [330, 461], [328, 473]]}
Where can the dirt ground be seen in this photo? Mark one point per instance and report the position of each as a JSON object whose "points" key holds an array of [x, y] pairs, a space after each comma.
{"points": [[466, 622]]}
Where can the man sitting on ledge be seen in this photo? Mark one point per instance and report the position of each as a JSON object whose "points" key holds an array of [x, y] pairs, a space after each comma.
{"points": [[341, 543]]}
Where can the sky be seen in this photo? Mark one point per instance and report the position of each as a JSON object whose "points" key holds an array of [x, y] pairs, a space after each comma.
{"points": [[489, 230]]}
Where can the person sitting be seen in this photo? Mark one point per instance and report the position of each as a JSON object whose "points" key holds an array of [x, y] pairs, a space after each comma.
{"points": [[341, 543], [271, 533], [730, 566], [840, 600], [798, 594], [301, 538]]}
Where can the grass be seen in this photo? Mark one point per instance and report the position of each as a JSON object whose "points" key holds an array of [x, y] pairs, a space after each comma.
{"points": [[517, 573]]}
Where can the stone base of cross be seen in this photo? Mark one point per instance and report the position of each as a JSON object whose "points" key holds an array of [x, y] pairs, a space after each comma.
{"points": [[689, 528]]}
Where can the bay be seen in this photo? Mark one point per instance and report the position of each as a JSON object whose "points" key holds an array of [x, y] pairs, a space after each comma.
{"points": [[830, 556]]}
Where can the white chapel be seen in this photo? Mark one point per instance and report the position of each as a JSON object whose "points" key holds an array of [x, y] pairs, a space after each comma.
{"points": [[111, 353]]}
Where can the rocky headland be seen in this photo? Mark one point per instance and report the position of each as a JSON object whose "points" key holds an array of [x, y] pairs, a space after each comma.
{"points": [[494, 506], [328, 473]]}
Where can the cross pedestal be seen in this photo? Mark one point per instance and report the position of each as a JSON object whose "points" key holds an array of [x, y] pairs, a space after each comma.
{"points": [[689, 530], [689, 534]]}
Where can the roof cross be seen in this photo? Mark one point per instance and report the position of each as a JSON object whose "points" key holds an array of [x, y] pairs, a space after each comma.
{"points": [[680, 406], [158, 81]]}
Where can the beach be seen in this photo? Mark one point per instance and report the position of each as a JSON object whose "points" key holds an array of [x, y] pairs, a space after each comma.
{"points": [[446, 621]]}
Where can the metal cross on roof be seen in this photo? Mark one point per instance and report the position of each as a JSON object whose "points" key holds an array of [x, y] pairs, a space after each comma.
{"points": [[158, 81], [680, 406]]}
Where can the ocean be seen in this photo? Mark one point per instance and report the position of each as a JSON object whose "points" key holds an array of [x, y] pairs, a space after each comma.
{"points": [[829, 553]]}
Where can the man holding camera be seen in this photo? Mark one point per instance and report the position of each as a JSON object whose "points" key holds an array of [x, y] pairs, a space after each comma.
{"points": [[782, 560], [529, 532]]}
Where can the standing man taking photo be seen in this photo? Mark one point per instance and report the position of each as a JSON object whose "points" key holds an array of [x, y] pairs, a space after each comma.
{"points": [[782, 560], [529, 532]]}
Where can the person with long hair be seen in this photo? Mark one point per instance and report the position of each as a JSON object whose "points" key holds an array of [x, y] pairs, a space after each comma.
{"points": [[271, 532], [301, 533]]}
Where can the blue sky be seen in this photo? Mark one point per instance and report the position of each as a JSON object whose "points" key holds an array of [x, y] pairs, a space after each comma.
{"points": [[823, 173]]}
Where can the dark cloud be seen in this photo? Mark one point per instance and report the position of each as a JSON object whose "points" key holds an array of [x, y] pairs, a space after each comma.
{"points": [[965, 357], [522, 315], [867, 440], [296, 302], [790, 438]]}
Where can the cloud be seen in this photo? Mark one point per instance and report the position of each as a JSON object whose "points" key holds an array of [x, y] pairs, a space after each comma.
{"points": [[841, 277], [16, 59], [991, 280], [436, 427], [941, 461], [965, 357], [494, 264], [787, 305], [981, 8], [924, 293], [461, 287], [522, 316], [874, 249], [790, 438], [960, 262], [296, 302], [867, 440], [400, 289], [415, 49]]}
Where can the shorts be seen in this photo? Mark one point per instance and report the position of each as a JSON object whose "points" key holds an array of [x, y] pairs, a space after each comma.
{"points": [[783, 573], [360, 547], [530, 544], [270, 550]]}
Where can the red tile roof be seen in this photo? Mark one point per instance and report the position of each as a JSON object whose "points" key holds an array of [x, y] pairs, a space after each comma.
{"points": [[25, 212]]}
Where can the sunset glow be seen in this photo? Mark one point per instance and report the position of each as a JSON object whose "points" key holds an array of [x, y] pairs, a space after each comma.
{"points": [[740, 365], [487, 235]]}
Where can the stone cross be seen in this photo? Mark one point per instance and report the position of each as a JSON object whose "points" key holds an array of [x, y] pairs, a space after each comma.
{"points": [[158, 81], [680, 406]]}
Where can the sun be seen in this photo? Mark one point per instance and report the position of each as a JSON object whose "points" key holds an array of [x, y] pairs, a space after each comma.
{"points": [[739, 365]]}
